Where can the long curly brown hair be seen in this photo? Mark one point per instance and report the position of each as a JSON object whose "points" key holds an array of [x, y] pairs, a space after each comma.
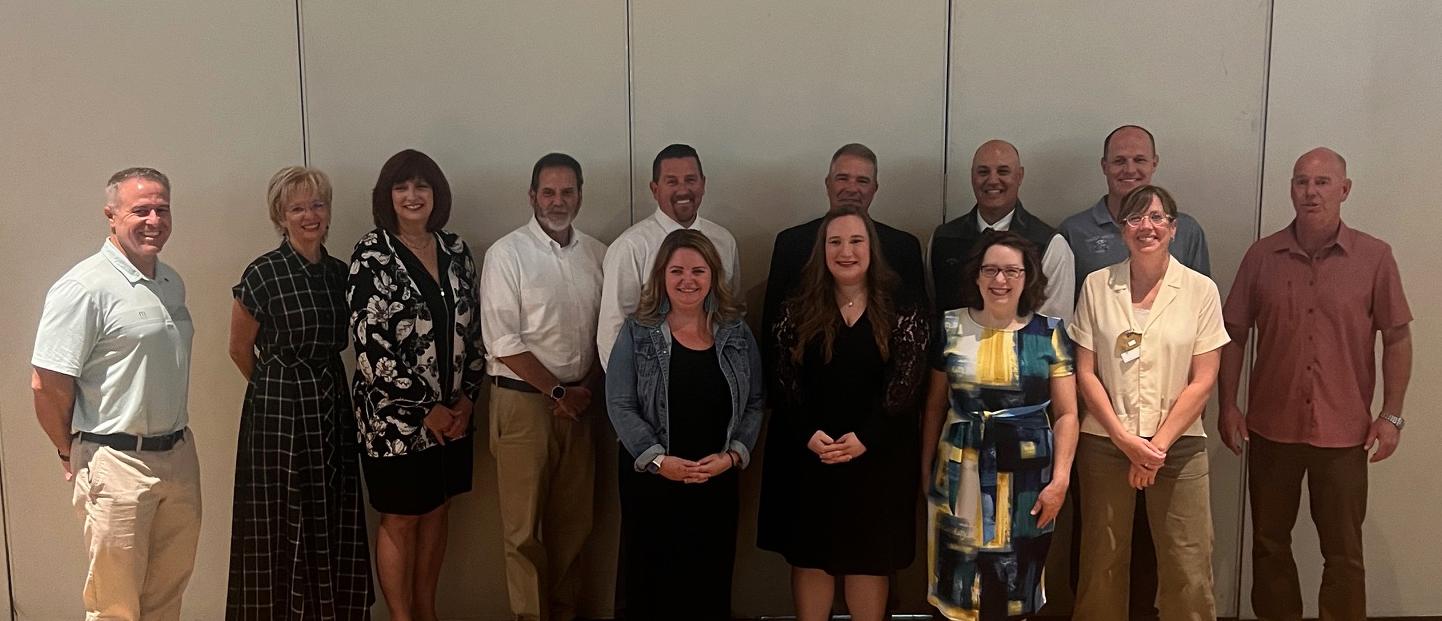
{"points": [[816, 314]]}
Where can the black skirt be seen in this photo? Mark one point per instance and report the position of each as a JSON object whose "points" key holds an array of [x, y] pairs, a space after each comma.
{"points": [[418, 483]]}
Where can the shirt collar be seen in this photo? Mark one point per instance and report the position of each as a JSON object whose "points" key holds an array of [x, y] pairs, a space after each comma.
{"points": [[1100, 215], [1121, 277], [299, 262], [1004, 224], [1346, 238], [122, 263], [668, 225], [534, 226]]}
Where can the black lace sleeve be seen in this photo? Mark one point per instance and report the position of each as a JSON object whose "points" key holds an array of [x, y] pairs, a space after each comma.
{"points": [[785, 374], [907, 370]]}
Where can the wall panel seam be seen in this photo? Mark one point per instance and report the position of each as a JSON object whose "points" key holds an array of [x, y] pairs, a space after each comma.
{"points": [[300, 73], [946, 112], [630, 126]]}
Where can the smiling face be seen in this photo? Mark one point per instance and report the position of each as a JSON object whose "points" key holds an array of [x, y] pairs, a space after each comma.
{"points": [[1129, 162], [848, 250], [1001, 291], [688, 279], [996, 175], [306, 217], [140, 220], [1150, 237], [556, 199], [679, 188], [851, 182], [413, 201]]}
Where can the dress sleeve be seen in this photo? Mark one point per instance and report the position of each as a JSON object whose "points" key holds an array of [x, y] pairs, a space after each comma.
{"points": [[1063, 352], [474, 372], [785, 380], [253, 290], [907, 369]]}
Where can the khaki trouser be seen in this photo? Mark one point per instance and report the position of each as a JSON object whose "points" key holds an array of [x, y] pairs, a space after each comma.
{"points": [[1337, 489], [1179, 509], [142, 523], [545, 476]]}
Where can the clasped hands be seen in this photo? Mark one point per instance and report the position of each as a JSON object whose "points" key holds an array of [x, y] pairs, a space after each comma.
{"points": [[835, 451], [449, 423], [687, 471], [1146, 459]]}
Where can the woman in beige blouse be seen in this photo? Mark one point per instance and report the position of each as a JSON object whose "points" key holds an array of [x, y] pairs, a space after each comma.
{"points": [[1148, 333]]}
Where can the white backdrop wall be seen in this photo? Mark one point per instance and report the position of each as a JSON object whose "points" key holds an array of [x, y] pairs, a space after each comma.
{"points": [[221, 97]]}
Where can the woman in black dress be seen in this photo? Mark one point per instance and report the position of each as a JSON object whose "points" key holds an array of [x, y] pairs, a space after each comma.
{"points": [[839, 488], [418, 372], [684, 392], [298, 536]]}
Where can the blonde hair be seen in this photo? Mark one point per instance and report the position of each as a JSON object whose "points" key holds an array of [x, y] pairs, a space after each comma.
{"points": [[721, 306], [289, 182]]}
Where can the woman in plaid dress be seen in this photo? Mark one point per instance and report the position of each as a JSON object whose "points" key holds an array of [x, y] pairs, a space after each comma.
{"points": [[298, 536]]}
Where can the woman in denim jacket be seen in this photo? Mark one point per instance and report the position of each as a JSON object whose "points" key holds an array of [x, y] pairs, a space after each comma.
{"points": [[684, 392]]}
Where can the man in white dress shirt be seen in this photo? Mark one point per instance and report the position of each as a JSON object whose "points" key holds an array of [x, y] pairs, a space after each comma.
{"points": [[678, 184], [540, 293]]}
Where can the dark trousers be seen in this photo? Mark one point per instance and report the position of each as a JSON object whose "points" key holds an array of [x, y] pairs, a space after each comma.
{"points": [[1337, 490]]}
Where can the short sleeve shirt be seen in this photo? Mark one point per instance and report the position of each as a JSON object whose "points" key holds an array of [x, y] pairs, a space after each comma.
{"points": [[1317, 318], [125, 338], [1185, 320]]}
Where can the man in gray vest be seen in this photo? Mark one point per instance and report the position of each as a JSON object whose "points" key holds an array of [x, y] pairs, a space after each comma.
{"points": [[996, 175], [111, 376]]}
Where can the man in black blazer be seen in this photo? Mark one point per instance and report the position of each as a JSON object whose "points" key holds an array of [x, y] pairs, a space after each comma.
{"points": [[850, 182]]}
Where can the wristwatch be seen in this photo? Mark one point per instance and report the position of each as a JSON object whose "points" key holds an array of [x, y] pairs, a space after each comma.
{"points": [[1395, 420], [655, 465], [558, 392]]}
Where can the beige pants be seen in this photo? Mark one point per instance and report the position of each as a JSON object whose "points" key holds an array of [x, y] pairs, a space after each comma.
{"points": [[545, 476], [1180, 512], [142, 523]]}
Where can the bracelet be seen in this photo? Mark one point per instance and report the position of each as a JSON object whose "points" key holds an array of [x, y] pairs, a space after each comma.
{"points": [[63, 456], [732, 456]]}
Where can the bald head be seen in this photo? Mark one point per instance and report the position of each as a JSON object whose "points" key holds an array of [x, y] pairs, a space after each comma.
{"points": [[996, 175], [1324, 155]]}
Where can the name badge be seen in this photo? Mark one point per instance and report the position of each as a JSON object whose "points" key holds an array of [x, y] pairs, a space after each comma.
{"points": [[1129, 346]]}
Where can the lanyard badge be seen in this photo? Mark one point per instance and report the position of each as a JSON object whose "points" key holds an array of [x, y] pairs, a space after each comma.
{"points": [[1129, 345]]}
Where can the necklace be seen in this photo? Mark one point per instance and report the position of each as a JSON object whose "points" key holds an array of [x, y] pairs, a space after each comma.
{"points": [[430, 240], [850, 303]]}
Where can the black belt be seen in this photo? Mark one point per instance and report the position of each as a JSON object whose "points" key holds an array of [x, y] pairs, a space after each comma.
{"points": [[520, 386], [127, 442]]}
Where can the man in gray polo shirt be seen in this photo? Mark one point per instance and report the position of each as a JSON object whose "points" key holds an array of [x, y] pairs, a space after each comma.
{"points": [[1129, 157], [111, 372]]}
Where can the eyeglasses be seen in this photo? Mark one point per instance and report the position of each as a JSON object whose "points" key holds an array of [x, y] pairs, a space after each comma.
{"points": [[1157, 219], [300, 208], [989, 272]]}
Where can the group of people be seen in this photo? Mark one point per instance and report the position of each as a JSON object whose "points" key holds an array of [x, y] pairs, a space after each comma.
{"points": [[1027, 366]]}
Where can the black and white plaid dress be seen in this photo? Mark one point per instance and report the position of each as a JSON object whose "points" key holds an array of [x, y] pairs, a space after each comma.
{"points": [[298, 537]]}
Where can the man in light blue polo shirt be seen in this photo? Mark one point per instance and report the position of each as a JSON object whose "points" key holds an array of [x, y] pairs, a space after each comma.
{"points": [[111, 373]]}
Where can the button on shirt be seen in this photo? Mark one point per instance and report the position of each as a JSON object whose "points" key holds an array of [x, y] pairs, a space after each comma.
{"points": [[1185, 320], [125, 338], [628, 265], [1317, 320], [1058, 265], [1096, 242], [541, 297]]}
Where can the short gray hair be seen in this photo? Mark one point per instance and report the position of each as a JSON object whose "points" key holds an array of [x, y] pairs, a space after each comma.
{"points": [[112, 187]]}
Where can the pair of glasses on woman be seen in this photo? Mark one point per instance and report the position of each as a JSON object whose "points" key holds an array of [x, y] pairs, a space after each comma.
{"points": [[1157, 219], [1011, 273]]}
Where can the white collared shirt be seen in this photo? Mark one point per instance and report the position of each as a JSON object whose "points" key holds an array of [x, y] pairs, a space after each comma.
{"points": [[125, 338], [628, 265], [541, 297], [1057, 263]]}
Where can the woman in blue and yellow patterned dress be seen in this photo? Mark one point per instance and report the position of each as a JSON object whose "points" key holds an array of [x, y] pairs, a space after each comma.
{"points": [[998, 438]]}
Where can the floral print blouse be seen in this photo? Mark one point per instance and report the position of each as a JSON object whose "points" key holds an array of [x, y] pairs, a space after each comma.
{"points": [[397, 376]]}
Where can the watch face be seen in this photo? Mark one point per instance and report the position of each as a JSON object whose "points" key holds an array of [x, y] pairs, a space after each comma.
{"points": [[558, 392]]}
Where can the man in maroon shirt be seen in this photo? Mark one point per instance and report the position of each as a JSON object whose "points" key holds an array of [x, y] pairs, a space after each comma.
{"points": [[1317, 292]]}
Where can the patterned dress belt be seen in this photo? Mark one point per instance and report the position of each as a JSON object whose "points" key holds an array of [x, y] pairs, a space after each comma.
{"points": [[127, 442]]}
